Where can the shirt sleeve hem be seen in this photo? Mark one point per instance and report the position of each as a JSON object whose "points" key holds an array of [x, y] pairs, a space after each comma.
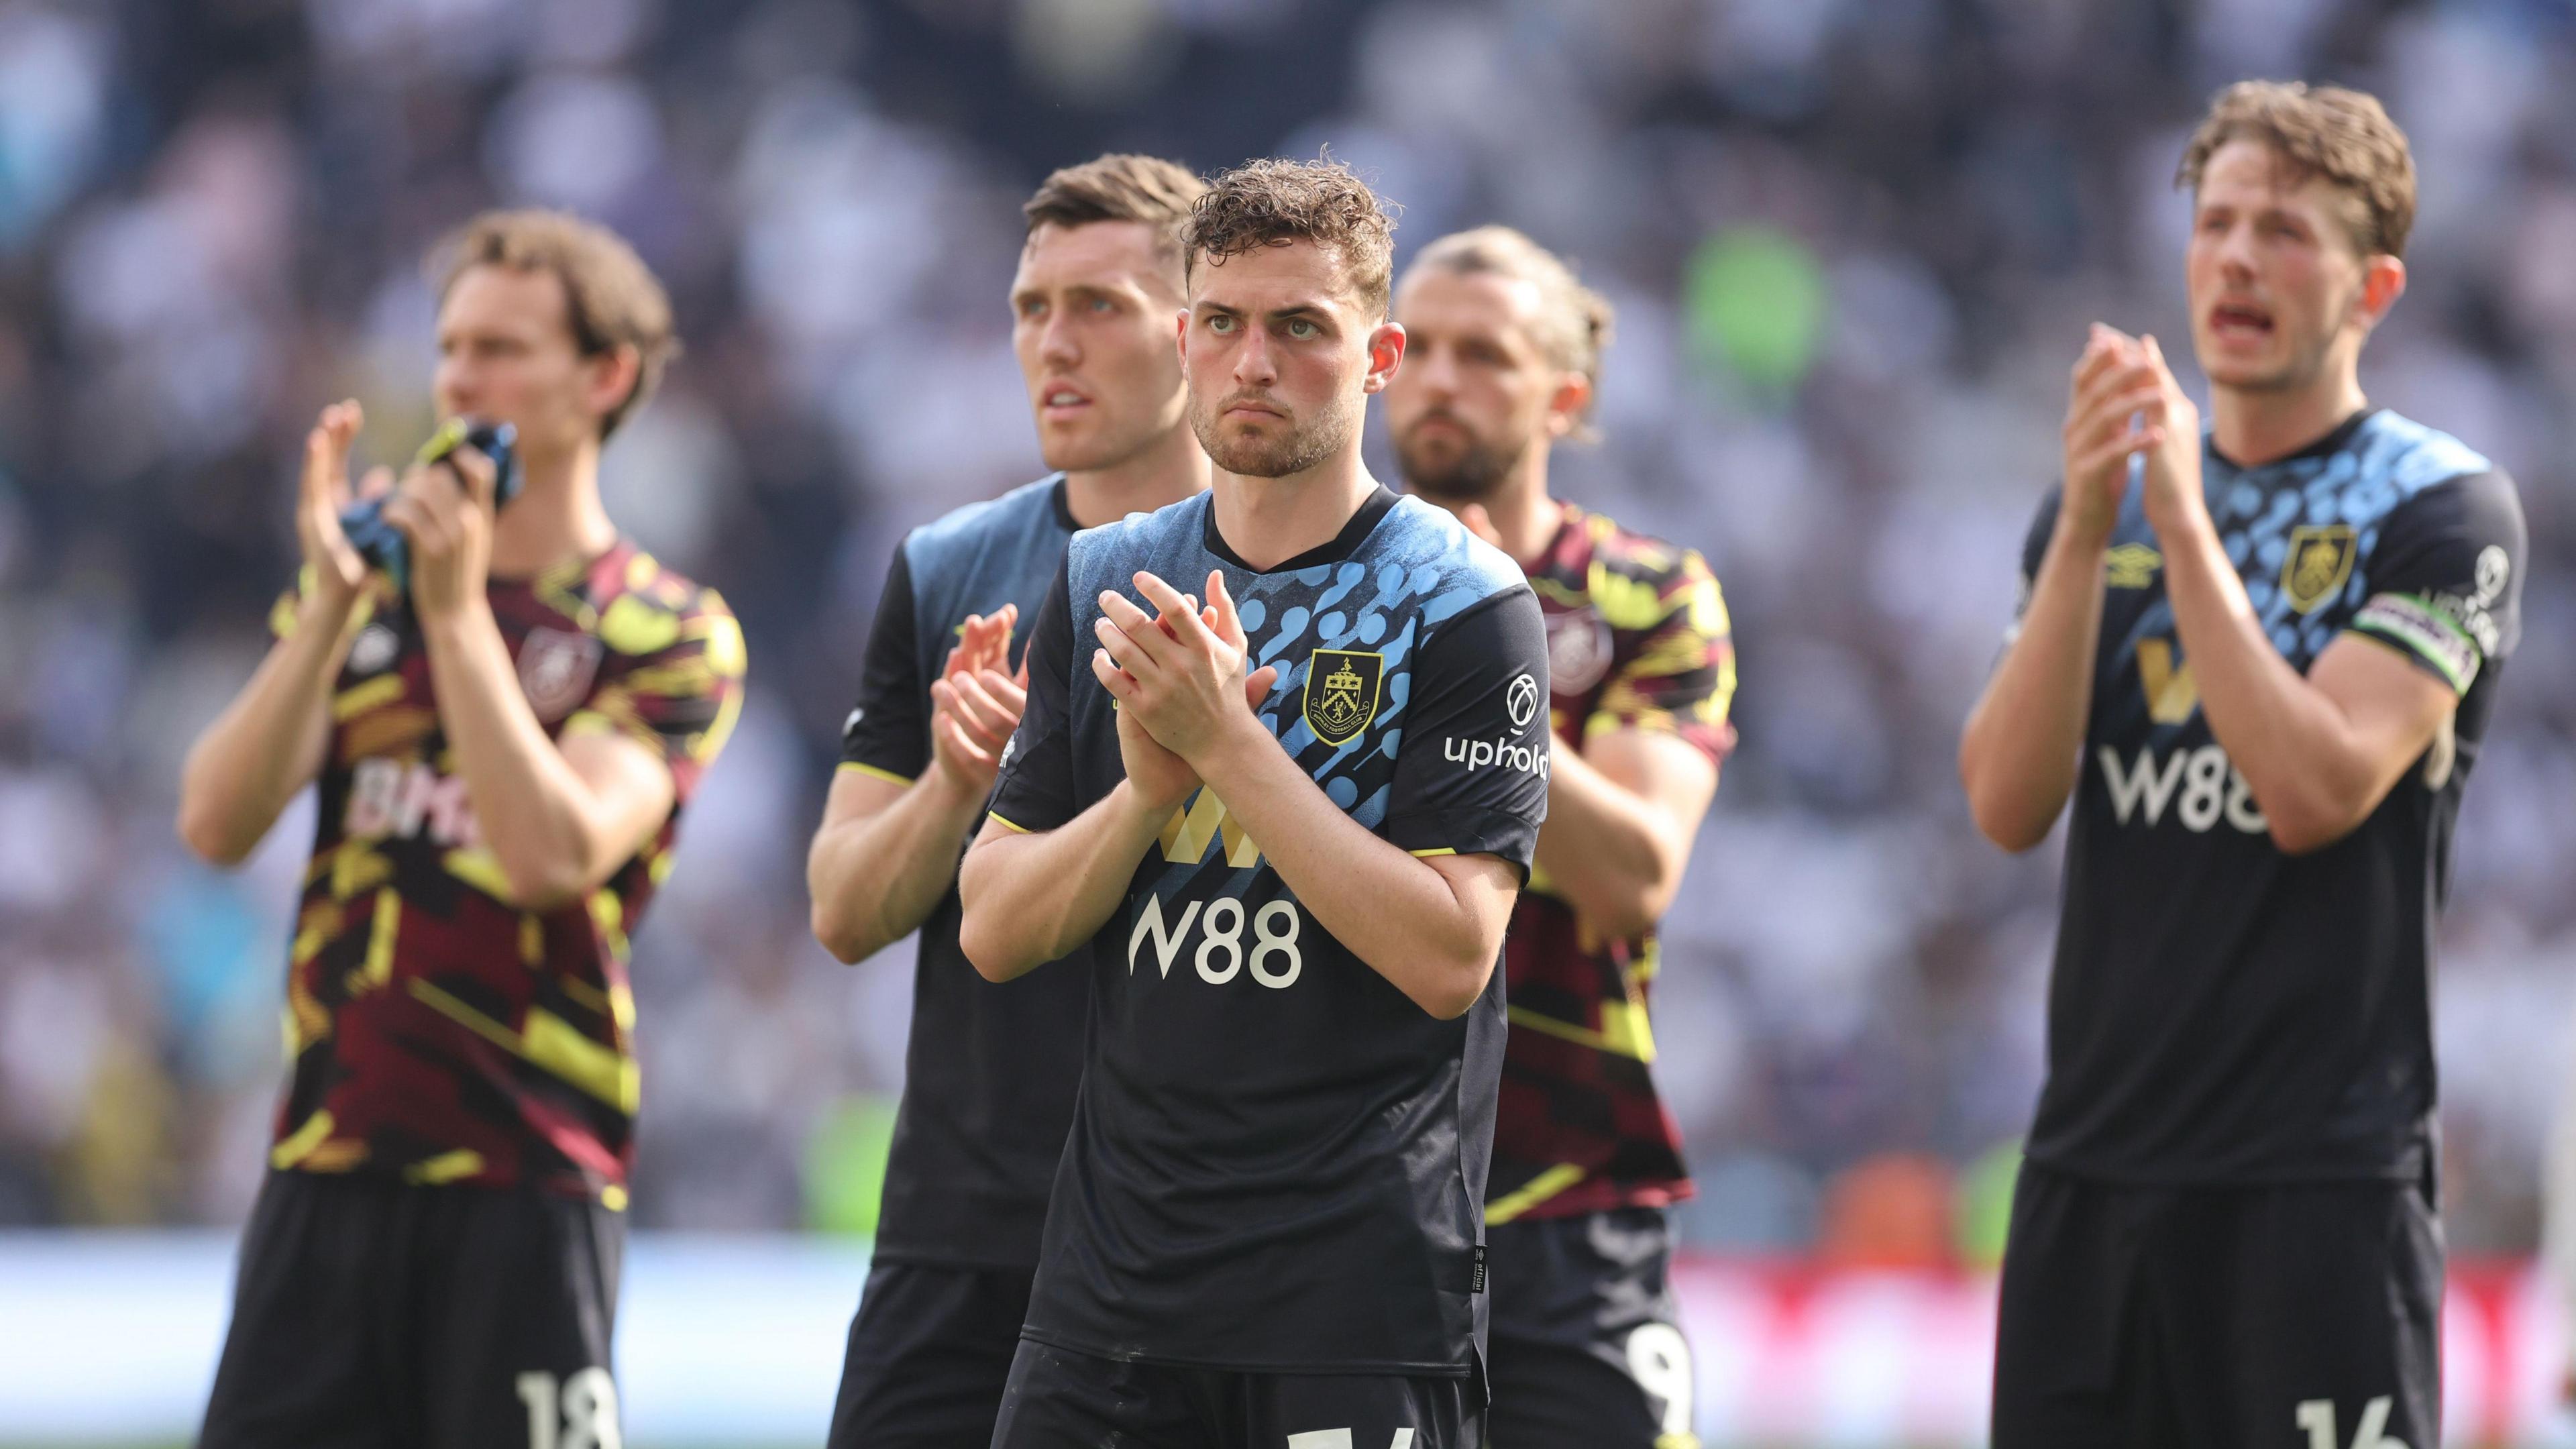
{"points": [[2422, 633]]}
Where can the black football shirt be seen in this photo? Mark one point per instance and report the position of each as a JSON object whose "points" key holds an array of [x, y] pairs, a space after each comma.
{"points": [[2221, 1011], [989, 1071], [1278, 1159]]}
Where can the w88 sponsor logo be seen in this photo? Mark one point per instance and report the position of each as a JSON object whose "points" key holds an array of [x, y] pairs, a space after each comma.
{"points": [[2201, 787]]}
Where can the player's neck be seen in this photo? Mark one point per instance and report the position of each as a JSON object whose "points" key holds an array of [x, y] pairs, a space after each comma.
{"points": [[1267, 521], [1170, 470], [1524, 518], [557, 516], [2254, 426]]}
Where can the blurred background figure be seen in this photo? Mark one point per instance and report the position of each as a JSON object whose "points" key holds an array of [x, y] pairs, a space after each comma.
{"points": [[1851, 246]]}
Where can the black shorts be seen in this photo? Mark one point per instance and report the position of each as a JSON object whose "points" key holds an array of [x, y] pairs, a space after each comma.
{"points": [[929, 1350], [2281, 1315], [372, 1312], [1585, 1345], [1059, 1399]]}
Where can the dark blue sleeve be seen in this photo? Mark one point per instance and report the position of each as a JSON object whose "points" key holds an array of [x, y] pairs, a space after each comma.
{"points": [[888, 733], [1471, 778], [2446, 578]]}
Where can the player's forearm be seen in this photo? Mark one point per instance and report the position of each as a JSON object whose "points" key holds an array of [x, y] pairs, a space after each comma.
{"points": [[1616, 857], [538, 817], [1033, 897], [268, 742], [2308, 770], [2022, 748], [876, 878], [1397, 914]]}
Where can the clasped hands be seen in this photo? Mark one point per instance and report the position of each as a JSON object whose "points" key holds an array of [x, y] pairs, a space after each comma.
{"points": [[1182, 682], [976, 701], [2124, 402]]}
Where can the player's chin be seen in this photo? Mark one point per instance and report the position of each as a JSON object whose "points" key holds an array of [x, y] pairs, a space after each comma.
{"points": [[1254, 453], [2247, 374], [1077, 449]]}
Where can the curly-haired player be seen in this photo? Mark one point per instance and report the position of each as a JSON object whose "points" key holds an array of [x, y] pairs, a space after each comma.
{"points": [[1287, 801]]}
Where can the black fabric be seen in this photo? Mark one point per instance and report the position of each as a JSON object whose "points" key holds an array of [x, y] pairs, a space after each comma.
{"points": [[1476, 792], [929, 1350], [372, 1313], [1278, 1158], [2219, 1317], [1340, 546], [989, 1070], [1059, 1398], [2220, 1010], [889, 729], [1585, 1349]]}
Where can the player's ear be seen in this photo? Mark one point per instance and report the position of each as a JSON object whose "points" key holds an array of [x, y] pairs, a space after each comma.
{"points": [[2383, 281], [613, 375], [1567, 405], [1385, 355]]}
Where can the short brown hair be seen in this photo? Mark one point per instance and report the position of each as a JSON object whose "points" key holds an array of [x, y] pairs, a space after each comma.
{"points": [[1120, 186], [2342, 135], [611, 299], [1572, 328], [1274, 203]]}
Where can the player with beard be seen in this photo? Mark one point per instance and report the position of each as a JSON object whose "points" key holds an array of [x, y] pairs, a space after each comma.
{"points": [[502, 754], [2259, 660], [1502, 356], [1289, 822], [991, 1071]]}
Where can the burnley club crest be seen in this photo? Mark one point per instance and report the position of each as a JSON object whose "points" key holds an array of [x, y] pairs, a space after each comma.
{"points": [[1342, 692]]}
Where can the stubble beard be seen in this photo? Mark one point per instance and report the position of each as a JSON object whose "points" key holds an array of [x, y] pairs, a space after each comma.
{"points": [[1300, 447], [1472, 474]]}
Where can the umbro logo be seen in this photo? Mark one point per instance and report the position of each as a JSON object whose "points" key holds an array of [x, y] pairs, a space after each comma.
{"points": [[2131, 566]]}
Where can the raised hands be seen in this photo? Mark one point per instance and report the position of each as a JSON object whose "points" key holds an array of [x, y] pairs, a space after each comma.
{"points": [[2172, 475], [323, 493], [1181, 679], [2123, 403], [2112, 385], [976, 702], [445, 510]]}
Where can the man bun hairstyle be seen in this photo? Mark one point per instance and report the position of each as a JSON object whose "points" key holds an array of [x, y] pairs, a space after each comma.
{"points": [[1573, 324], [611, 299], [1120, 186], [2342, 135], [1274, 203]]}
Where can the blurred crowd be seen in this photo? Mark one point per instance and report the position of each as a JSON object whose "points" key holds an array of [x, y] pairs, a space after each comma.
{"points": [[1853, 245]]}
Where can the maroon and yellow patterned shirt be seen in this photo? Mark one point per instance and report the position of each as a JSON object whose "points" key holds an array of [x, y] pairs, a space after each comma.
{"points": [[436, 1031], [1637, 639]]}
